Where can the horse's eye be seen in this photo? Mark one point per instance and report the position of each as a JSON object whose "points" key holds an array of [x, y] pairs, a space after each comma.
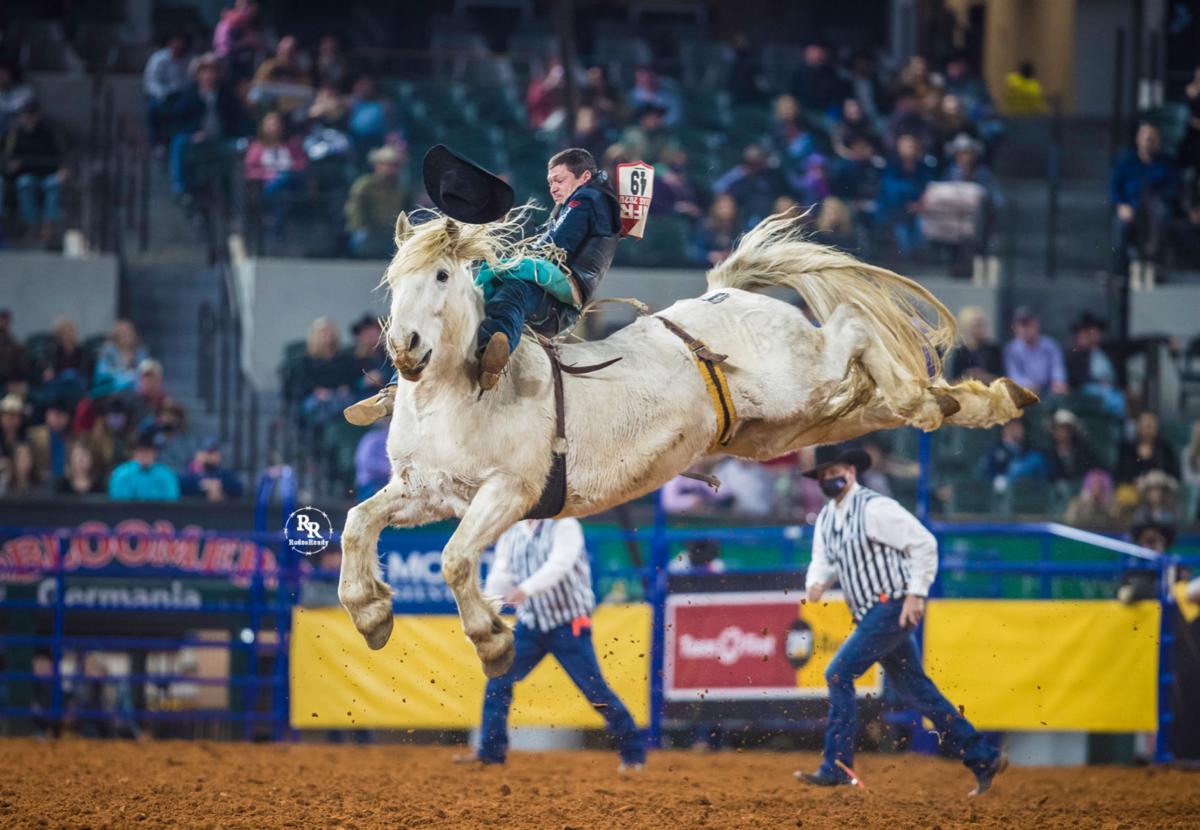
{"points": [[443, 275]]}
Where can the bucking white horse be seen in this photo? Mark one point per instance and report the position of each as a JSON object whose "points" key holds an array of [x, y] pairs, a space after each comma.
{"points": [[873, 362]]}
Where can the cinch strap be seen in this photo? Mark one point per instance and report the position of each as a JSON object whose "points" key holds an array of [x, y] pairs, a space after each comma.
{"points": [[709, 364], [554, 492]]}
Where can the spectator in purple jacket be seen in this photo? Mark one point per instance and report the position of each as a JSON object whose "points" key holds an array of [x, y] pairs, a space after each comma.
{"points": [[1033, 360]]}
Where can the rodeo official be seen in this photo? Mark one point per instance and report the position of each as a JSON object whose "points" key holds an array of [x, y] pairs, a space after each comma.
{"points": [[884, 560], [541, 567]]}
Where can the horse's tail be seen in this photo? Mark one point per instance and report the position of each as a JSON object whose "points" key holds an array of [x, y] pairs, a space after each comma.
{"points": [[914, 327]]}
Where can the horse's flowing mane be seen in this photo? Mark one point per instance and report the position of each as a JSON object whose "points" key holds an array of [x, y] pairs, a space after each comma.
{"points": [[914, 326], [439, 238]]}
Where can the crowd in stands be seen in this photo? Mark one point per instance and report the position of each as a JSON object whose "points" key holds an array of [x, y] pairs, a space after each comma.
{"points": [[320, 378], [889, 163], [84, 418], [301, 127], [1088, 454], [1154, 189], [1097, 451]]}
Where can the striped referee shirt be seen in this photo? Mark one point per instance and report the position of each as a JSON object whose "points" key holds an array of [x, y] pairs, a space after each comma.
{"points": [[547, 560], [876, 549]]}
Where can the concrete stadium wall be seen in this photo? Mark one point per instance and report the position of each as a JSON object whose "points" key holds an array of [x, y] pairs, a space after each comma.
{"points": [[1168, 309], [281, 297], [39, 287]]}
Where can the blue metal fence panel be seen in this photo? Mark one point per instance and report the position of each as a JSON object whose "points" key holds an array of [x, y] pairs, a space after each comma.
{"points": [[275, 589]]}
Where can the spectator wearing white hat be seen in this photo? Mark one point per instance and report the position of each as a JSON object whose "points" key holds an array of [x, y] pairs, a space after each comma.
{"points": [[149, 394], [375, 200]]}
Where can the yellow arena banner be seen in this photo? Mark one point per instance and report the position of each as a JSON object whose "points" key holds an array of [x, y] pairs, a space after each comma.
{"points": [[1041, 665], [428, 677]]}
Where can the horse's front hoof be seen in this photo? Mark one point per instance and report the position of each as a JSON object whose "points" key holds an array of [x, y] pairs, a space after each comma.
{"points": [[375, 623], [500, 666], [497, 653], [378, 638]]}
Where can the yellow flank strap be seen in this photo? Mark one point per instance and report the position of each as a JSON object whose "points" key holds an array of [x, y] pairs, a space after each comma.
{"points": [[722, 401]]}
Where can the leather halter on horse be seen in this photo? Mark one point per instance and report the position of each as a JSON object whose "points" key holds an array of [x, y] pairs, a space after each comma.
{"points": [[554, 493]]}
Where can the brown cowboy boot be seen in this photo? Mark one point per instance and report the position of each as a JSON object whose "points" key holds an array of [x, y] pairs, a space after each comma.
{"points": [[368, 411], [493, 360]]}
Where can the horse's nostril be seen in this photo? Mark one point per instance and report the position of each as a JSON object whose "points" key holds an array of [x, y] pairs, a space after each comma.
{"points": [[414, 341]]}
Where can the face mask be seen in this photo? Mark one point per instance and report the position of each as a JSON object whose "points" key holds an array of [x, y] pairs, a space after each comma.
{"points": [[833, 487]]}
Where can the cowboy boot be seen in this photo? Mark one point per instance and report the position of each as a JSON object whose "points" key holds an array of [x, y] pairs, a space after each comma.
{"points": [[492, 360], [368, 411]]}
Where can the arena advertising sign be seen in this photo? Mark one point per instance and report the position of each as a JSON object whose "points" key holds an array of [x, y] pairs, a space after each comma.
{"points": [[428, 677], [412, 566], [754, 646], [95, 546], [131, 595], [1068, 665]]}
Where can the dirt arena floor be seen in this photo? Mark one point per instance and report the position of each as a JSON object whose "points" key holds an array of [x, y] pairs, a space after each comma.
{"points": [[76, 783]]}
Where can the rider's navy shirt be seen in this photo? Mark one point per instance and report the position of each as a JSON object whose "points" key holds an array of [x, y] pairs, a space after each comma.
{"points": [[586, 213]]}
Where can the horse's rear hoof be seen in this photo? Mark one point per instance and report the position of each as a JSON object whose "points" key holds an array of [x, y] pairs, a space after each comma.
{"points": [[1021, 397], [378, 638], [946, 402]]}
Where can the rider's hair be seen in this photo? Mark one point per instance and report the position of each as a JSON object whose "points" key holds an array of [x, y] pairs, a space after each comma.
{"points": [[575, 159]]}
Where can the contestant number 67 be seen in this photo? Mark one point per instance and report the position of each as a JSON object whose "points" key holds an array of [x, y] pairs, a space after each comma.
{"points": [[637, 182]]}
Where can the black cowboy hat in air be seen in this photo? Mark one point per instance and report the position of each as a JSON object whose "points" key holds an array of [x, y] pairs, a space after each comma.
{"points": [[463, 190], [839, 454]]}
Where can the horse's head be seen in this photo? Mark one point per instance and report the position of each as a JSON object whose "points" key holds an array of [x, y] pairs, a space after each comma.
{"points": [[435, 307]]}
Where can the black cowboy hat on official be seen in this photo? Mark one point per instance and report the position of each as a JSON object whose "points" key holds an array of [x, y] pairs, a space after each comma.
{"points": [[463, 190], [1143, 526], [839, 454]]}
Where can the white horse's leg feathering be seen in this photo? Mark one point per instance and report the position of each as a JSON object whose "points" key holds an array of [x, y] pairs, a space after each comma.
{"points": [[500, 502], [361, 589]]}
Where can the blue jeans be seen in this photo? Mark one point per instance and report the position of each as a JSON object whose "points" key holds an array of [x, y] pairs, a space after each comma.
{"points": [[880, 639], [28, 187], [906, 230], [157, 116], [517, 302], [1143, 237], [279, 194], [578, 659]]}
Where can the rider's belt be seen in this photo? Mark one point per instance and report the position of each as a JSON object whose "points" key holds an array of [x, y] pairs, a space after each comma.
{"points": [[709, 364]]}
